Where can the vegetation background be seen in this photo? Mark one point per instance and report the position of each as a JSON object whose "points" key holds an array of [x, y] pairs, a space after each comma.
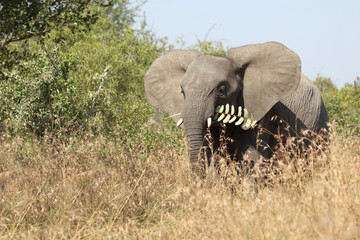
{"points": [[83, 155]]}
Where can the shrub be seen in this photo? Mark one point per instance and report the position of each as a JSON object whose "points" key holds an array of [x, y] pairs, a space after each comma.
{"points": [[343, 106], [48, 84]]}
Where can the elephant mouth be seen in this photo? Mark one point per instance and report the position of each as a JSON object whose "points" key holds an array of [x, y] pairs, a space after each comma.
{"points": [[227, 114]]}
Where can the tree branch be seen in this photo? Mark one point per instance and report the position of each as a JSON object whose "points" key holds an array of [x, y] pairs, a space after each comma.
{"points": [[23, 37], [5, 41]]}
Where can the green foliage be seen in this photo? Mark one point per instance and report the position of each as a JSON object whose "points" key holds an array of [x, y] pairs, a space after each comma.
{"points": [[23, 19], [122, 105], [325, 84], [48, 84], [215, 48], [36, 94], [123, 13], [343, 106]]}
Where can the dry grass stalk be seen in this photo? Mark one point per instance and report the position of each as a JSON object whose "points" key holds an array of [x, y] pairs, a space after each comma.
{"points": [[100, 189]]}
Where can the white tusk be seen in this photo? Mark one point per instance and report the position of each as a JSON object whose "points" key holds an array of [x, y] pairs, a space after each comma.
{"points": [[227, 108], [247, 124], [246, 113], [226, 120], [232, 110], [239, 113], [221, 117], [219, 109], [241, 119], [209, 120], [253, 123], [233, 119], [180, 122]]}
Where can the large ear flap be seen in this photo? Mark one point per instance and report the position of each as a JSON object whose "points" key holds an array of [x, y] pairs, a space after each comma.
{"points": [[271, 72], [162, 81]]}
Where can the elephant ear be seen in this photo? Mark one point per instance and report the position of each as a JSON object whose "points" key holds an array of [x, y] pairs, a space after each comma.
{"points": [[271, 72], [162, 81]]}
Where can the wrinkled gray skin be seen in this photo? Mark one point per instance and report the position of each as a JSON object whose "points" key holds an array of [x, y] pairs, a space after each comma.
{"points": [[264, 78]]}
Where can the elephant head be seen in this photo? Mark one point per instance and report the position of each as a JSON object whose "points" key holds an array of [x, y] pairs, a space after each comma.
{"points": [[237, 89]]}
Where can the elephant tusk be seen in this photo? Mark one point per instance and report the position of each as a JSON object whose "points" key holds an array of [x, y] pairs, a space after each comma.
{"points": [[253, 123], [239, 111], [246, 113], [227, 108], [179, 122], [233, 119], [226, 114], [241, 119], [219, 109], [209, 121], [232, 110], [247, 124], [226, 120], [221, 117]]}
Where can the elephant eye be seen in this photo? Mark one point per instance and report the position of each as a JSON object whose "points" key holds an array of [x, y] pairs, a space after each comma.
{"points": [[221, 90]]}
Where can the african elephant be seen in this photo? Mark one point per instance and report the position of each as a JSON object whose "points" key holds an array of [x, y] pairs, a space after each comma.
{"points": [[244, 90]]}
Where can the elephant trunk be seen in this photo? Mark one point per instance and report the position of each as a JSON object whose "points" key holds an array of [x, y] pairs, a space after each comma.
{"points": [[195, 136], [195, 125]]}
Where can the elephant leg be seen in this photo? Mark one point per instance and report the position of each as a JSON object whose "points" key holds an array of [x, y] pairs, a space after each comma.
{"points": [[252, 146]]}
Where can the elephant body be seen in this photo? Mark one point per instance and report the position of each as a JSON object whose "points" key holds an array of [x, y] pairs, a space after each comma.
{"points": [[305, 105], [254, 88], [302, 110]]}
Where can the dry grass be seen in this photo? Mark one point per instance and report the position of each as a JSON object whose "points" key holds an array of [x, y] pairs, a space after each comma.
{"points": [[96, 189]]}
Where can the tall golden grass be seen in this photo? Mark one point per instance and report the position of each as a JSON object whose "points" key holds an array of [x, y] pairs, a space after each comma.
{"points": [[97, 188]]}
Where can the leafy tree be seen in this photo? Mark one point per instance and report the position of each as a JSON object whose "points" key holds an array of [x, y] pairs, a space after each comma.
{"points": [[343, 106], [215, 48], [24, 19], [30, 75], [123, 13], [50, 84], [325, 84]]}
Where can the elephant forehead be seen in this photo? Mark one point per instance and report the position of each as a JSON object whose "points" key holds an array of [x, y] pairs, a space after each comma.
{"points": [[208, 68]]}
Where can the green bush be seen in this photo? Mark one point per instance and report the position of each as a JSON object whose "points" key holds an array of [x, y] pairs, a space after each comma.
{"points": [[343, 106], [215, 48], [48, 84]]}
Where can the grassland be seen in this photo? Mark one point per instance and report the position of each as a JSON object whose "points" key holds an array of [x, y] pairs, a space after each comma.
{"points": [[96, 188]]}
